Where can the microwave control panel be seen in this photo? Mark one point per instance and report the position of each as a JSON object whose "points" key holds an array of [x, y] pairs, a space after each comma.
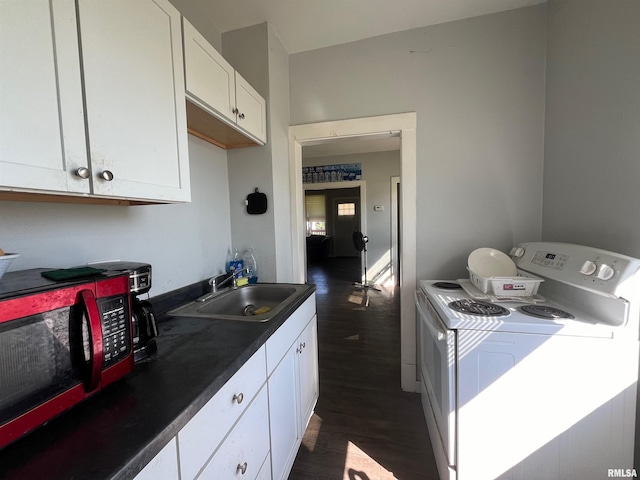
{"points": [[116, 331]]}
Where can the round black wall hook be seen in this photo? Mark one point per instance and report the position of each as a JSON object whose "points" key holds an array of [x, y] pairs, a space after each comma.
{"points": [[256, 203]]}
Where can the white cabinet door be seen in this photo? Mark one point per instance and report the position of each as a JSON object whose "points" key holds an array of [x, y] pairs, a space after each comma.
{"points": [[134, 87], [293, 390], [209, 77], [164, 465], [308, 372], [42, 137], [284, 414], [251, 109]]}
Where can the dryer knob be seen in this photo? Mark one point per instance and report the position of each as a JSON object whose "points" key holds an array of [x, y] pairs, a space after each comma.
{"points": [[588, 268], [517, 252], [605, 272]]}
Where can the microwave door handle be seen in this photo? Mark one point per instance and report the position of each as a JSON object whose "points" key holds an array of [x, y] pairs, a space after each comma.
{"points": [[95, 328]]}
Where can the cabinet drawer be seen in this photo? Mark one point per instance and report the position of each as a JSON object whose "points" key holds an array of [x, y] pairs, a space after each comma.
{"points": [[279, 343], [244, 451], [199, 438]]}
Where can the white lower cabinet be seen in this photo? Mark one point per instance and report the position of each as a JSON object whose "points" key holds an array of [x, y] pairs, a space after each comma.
{"points": [[252, 427], [292, 365]]}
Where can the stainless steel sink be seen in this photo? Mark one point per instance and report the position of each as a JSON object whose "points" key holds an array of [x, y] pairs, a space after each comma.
{"points": [[251, 303]]}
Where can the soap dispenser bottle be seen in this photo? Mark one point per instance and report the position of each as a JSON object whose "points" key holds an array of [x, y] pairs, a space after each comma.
{"points": [[251, 265], [236, 261]]}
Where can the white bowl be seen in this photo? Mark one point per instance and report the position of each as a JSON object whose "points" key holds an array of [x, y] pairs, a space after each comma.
{"points": [[489, 262]]}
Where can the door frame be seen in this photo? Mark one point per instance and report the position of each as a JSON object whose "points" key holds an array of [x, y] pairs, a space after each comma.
{"points": [[403, 125], [395, 258]]}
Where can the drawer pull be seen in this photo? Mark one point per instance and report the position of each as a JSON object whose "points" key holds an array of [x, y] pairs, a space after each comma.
{"points": [[239, 398], [242, 468]]}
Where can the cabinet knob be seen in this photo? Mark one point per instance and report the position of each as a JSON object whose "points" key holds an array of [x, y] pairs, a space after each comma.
{"points": [[241, 116], [106, 175], [238, 398], [234, 110], [242, 468], [82, 172]]}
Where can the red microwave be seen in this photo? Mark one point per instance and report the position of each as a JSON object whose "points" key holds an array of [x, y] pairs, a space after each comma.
{"points": [[60, 343]]}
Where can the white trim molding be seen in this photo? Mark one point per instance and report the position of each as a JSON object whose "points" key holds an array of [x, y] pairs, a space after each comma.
{"points": [[404, 125]]}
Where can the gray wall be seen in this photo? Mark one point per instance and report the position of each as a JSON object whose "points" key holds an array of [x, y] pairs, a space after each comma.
{"points": [[377, 170], [477, 86], [256, 52], [592, 125], [184, 243]]}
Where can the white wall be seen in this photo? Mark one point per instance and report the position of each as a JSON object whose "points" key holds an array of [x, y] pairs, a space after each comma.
{"points": [[592, 125], [477, 86], [184, 243], [377, 170]]}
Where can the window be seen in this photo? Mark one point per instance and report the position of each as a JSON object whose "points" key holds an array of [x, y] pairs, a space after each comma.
{"points": [[346, 209], [314, 206]]}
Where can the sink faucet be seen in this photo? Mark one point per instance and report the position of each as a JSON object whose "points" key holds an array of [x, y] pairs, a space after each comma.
{"points": [[216, 283], [233, 277]]}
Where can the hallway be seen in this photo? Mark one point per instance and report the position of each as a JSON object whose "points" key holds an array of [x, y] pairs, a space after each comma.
{"points": [[364, 426]]}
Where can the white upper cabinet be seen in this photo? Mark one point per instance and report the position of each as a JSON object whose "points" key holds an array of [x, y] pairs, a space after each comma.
{"points": [[210, 79], [134, 88], [214, 86], [42, 136], [93, 104]]}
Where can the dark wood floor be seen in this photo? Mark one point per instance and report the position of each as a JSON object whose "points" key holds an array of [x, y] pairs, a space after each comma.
{"points": [[364, 426]]}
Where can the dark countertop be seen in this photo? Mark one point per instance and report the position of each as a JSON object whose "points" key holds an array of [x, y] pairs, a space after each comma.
{"points": [[114, 434]]}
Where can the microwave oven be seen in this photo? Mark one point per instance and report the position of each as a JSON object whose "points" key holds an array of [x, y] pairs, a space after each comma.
{"points": [[60, 343]]}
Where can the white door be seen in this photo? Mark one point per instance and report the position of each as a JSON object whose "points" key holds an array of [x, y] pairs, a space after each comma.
{"points": [[346, 220], [284, 414], [135, 98], [42, 137]]}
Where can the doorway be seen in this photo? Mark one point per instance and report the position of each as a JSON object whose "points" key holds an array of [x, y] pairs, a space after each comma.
{"points": [[401, 125]]}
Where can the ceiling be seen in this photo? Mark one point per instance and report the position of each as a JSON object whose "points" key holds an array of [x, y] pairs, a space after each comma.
{"points": [[350, 146], [305, 25]]}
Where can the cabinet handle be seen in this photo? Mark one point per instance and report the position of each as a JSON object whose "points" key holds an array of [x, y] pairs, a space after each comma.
{"points": [[234, 110], [241, 116], [238, 398], [106, 175], [242, 468], [82, 172]]}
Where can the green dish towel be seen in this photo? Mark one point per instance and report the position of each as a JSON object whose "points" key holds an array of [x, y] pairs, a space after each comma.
{"points": [[71, 273]]}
